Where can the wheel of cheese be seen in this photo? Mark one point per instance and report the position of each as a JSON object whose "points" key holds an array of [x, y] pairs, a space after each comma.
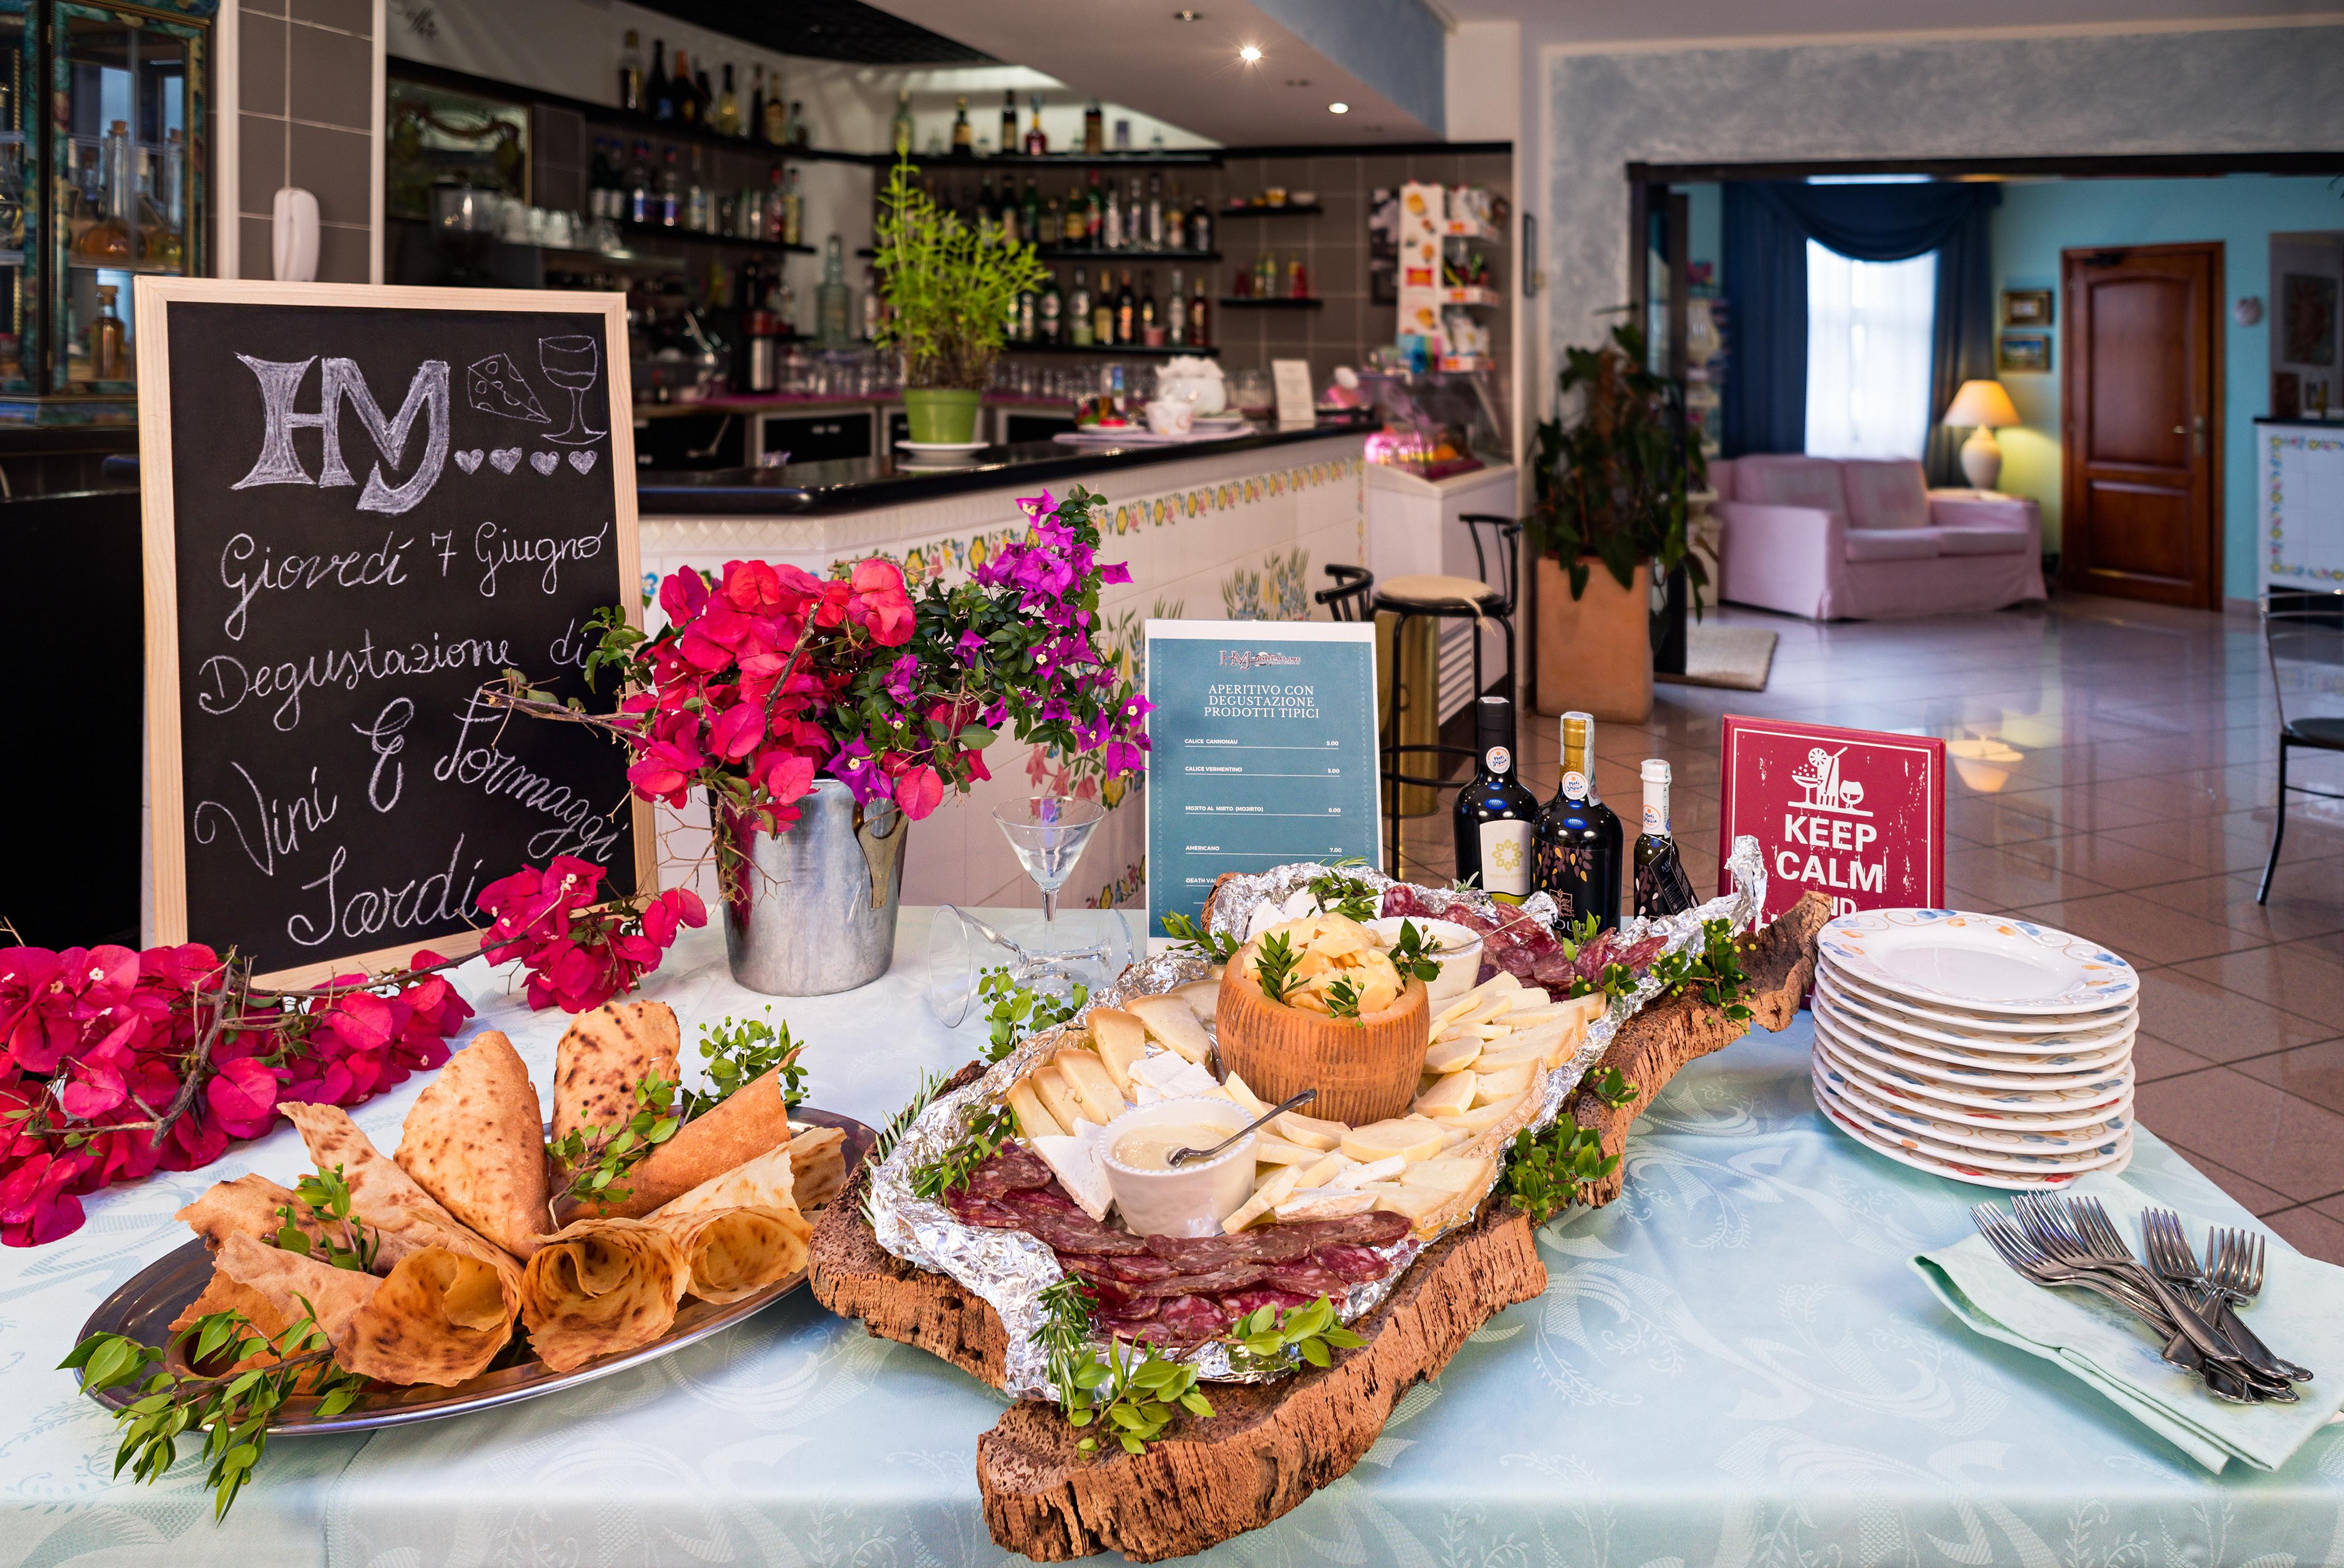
{"points": [[1364, 1071]]}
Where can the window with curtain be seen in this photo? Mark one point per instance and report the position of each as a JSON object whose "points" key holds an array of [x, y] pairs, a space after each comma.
{"points": [[1869, 328]]}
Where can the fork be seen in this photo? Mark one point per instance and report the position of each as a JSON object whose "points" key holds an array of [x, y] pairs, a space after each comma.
{"points": [[2169, 1253], [2235, 1274], [2031, 1263]]}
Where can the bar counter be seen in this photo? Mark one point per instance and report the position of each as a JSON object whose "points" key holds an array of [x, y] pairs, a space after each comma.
{"points": [[1241, 528]]}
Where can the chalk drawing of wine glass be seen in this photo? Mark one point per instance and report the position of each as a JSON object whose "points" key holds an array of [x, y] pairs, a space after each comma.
{"points": [[572, 364]]}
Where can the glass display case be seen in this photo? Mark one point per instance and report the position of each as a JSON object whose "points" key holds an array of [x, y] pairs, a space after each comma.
{"points": [[110, 188], [1437, 423]]}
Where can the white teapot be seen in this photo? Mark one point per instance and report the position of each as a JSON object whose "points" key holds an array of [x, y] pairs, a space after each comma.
{"points": [[1193, 379]]}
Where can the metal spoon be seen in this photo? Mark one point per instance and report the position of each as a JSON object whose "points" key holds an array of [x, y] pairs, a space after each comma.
{"points": [[1180, 1156]]}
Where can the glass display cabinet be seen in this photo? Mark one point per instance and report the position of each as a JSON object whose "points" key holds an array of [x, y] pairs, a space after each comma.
{"points": [[110, 186]]}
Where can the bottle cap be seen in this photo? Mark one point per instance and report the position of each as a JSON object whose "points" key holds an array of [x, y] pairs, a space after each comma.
{"points": [[1654, 771]]}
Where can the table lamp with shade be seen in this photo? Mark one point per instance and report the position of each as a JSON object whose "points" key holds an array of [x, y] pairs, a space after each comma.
{"points": [[1984, 407]]}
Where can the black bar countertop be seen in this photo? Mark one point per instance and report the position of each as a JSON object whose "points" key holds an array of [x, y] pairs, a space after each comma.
{"points": [[868, 484], [2313, 421]]}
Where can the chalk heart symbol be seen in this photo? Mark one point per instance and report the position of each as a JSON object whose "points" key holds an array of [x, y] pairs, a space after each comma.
{"points": [[582, 461], [469, 461], [507, 459], [545, 462]]}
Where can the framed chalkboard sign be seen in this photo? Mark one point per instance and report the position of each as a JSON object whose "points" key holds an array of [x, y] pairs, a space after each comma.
{"points": [[361, 504]]}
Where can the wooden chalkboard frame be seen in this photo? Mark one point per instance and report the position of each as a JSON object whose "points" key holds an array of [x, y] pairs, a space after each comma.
{"points": [[166, 795]]}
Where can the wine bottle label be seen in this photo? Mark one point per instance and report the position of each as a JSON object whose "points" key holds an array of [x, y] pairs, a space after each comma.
{"points": [[1506, 858], [1574, 785], [1656, 817], [1498, 760]]}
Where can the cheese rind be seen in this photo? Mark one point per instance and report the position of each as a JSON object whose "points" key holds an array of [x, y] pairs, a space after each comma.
{"points": [[1122, 1041], [1075, 1161], [1086, 1076], [1034, 1118]]}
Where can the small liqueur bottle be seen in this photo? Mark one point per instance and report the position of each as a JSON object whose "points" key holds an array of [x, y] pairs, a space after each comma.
{"points": [[1493, 812], [630, 75], [964, 135], [1038, 144], [1661, 886], [1578, 837], [107, 363]]}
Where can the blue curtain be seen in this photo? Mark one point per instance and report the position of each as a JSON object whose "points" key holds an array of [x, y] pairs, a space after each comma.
{"points": [[1766, 227]]}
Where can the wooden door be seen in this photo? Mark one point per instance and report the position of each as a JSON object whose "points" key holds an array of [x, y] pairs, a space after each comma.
{"points": [[2142, 495]]}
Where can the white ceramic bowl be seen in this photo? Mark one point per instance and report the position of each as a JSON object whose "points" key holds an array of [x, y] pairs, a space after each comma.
{"points": [[1194, 1200], [1460, 955]]}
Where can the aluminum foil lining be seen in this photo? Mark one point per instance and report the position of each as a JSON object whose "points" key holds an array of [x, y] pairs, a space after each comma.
{"points": [[1009, 1270]]}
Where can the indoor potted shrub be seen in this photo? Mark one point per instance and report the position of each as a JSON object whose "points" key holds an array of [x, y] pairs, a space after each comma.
{"points": [[1610, 491], [951, 291]]}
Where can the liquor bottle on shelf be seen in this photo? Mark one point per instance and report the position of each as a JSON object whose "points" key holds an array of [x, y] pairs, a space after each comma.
{"points": [[833, 306], [1103, 312], [1154, 230], [1298, 279], [1078, 310], [1578, 837], [107, 361], [800, 130], [899, 129], [707, 98], [728, 105], [984, 210], [1111, 221], [1661, 886], [1127, 312], [659, 92], [699, 211], [964, 138], [1175, 322], [1151, 330], [1030, 228], [1008, 122], [687, 96], [1200, 224], [1134, 219], [1076, 232], [641, 187], [1494, 813], [1094, 130], [1093, 213], [875, 304], [753, 125], [163, 216], [630, 75], [792, 211], [108, 238], [671, 192], [1200, 318], [776, 129], [1038, 144], [1176, 221], [1052, 310]]}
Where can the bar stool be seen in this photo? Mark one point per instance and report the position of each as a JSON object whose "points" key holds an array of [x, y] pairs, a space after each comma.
{"points": [[1439, 597], [1349, 600]]}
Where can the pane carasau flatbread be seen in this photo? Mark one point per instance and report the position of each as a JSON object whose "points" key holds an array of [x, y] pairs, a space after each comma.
{"points": [[440, 1318], [599, 1287], [474, 1141], [602, 1056], [752, 1121]]}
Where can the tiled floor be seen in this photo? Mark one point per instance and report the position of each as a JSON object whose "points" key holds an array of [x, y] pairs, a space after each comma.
{"points": [[2114, 773]]}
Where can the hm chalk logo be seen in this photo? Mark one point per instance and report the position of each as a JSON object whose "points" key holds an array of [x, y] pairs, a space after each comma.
{"points": [[1239, 659], [1822, 786]]}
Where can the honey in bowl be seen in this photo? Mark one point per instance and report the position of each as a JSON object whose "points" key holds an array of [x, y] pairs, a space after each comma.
{"points": [[1151, 1148]]}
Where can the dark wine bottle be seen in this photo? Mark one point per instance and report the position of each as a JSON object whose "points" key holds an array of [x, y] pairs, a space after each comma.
{"points": [[1493, 810], [1578, 837], [1661, 886]]}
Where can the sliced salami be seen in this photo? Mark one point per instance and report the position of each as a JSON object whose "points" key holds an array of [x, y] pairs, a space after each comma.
{"points": [[1079, 1233], [1191, 1319], [1262, 1244], [1349, 1261], [1236, 1276], [985, 1211], [1306, 1278], [1240, 1302], [1041, 1199], [1012, 1168], [1135, 1268]]}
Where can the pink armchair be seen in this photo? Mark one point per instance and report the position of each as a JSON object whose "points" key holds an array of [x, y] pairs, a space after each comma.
{"points": [[1864, 540]]}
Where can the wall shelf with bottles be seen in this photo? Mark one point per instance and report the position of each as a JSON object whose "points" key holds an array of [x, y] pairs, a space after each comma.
{"points": [[665, 235], [113, 190], [1115, 350], [1264, 209], [939, 163], [1121, 257], [1269, 302]]}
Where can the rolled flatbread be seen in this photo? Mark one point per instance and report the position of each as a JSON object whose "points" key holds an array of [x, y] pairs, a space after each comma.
{"points": [[729, 1253], [387, 1197], [766, 1182], [752, 1121], [817, 1167], [248, 1206], [600, 1287], [603, 1055], [475, 1142], [440, 1318]]}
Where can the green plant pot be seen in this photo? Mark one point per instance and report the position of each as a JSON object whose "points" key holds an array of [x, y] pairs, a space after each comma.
{"points": [[943, 414]]}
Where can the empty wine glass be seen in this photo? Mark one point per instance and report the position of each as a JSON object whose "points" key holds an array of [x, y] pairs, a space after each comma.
{"points": [[571, 363], [963, 946], [1048, 832]]}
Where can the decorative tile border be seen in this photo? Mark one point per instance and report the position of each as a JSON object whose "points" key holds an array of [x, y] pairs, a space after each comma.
{"points": [[2275, 501]]}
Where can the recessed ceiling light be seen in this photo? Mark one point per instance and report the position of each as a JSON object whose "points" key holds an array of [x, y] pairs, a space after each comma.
{"points": [[1248, 54], [1187, 15], [1338, 109]]}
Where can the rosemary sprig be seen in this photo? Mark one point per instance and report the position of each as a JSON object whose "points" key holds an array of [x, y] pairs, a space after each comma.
{"points": [[1065, 1333], [1017, 1012], [949, 1171], [1711, 972], [1132, 1394], [1412, 954], [931, 1084], [1346, 896], [740, 1051], [326, 1197], [599, 1158], [1546, 1175], [1274, 965], [1266, 1338], [232, 1410], [1218, 948]]}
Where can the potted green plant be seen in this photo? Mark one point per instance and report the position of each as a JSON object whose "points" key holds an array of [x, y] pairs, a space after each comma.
{"points": [[951, 292], [1609, 489]]}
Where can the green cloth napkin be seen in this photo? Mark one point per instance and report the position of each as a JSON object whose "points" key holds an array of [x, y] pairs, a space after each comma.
{"points": [[2299, 1314]]}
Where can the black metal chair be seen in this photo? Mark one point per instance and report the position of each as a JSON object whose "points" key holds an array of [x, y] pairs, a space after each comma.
{"points": [[1439, 597], [2303, 640], [1349, 600]]}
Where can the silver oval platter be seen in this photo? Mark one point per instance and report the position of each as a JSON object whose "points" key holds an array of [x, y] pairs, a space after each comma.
{"points": [[146, 1305]]}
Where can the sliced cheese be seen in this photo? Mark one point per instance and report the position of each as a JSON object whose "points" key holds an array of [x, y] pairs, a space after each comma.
{"points": [[1526, 998], [1450, 1055], [1259, 1205], [1504, 1086], [1384, 1170], [1245, 1096], [1449, 1095], [1310, 1131], [1324, 1169], [1202, 996], [1449, 1173], [1270, 1151], [1509, 1054], [1278, 1181], [1075, 1160], [1034, 1120], [1170, 1020], [1452, 1135], [1410, 1138], [1419, 1203], [1086, 1076], [1325, 1203], [1472, 1007], [1480, 1119], [1591, 1007], [1057, 1097], [1122, 1041]]}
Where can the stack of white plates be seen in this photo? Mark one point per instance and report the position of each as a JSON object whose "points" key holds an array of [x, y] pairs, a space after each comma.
{"points": [[1982, 1047]]}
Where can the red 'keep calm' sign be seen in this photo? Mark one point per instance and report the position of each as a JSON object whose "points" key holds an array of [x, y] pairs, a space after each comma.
{"points": [[1858, 815]]}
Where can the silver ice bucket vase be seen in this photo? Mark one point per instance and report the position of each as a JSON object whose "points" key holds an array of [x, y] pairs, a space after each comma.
{"points": [[815, 911]]}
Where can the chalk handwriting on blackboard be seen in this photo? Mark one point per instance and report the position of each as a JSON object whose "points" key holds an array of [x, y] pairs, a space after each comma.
{"points": [[227, 680], [240, 575], [341, 382], [412, 906], [278, 825], [496, 548], [496, 386], [383, 738]]}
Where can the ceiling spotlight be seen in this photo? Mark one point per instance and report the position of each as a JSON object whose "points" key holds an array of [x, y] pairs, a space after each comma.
{"points": [[1248, 54], [1338, 109], [1187, 15]]}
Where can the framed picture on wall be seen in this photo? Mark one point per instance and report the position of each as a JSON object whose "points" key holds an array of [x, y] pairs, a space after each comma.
{"points": [[2024, 353], [2027, 307]]}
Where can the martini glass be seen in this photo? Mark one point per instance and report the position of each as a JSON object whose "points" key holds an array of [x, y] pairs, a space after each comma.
{"points": [[1048, 834]]}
